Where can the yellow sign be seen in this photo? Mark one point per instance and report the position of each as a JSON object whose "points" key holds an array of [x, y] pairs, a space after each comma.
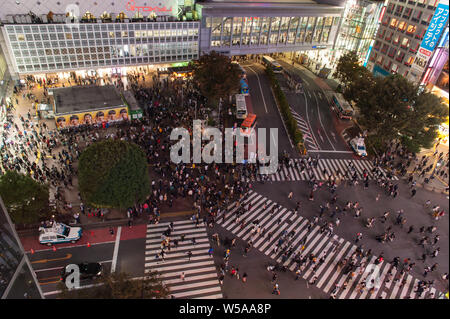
{"points": [[99, 117]]}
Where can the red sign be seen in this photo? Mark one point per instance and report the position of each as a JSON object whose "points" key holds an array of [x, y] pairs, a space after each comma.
{"points": [[132, 7], [425, 52]]}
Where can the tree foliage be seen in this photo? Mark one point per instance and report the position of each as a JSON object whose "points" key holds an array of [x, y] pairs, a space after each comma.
{"points": [[391, 107], [113, 173], [357, 79], [119, 286], [26, 200], [216, 76]]}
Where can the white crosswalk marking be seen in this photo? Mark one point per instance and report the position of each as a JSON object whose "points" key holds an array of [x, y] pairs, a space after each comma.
{"points": [[325, 167], [200, 274], [296, 232], [310, 143]]}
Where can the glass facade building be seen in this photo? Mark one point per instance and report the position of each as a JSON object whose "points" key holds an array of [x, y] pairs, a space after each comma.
{"points": [[359, 27], [61, 36], [17, 279], [60, 47], [239, 28]]}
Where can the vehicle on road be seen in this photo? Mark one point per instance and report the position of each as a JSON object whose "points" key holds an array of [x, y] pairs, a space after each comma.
{"points": [[59, 233], [241, 106], [274, 65], [248, 124], [244, 87], [87, 271], [342, 107], [358, 146]]}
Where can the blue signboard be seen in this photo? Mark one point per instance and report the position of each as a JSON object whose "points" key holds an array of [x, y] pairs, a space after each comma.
{"points": [[378, 71], [437, 25]]}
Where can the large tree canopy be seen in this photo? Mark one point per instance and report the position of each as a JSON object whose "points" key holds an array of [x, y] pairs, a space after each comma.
{"points": [[216, 76], [120, 286], [26, 200], [391, 107], [113, 173]]}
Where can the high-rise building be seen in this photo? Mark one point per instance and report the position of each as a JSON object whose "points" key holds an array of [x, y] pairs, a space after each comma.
{"points": [[407, 37], [17, 279]]}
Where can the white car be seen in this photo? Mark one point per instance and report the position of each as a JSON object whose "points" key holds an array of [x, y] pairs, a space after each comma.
{"points": [[59, 233], [358, 146]]}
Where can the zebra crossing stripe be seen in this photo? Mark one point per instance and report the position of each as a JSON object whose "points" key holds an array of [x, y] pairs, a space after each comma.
{"points": [[413, 292], [319, 244], [406, 287], [330, 254], [200, 275], [386, 268], [334, 269], [197, 292], [180, 244]]}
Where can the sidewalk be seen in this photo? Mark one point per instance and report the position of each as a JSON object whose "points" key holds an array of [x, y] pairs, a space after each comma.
{"points": [[437, 184]]}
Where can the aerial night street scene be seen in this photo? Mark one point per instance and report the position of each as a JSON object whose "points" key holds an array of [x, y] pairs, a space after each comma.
{"points": [[253, 152]]}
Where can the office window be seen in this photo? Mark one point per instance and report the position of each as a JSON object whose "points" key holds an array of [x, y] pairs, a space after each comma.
{"points": [[394, 68], [409, 61], [407, 13], [384, 48], [390, 7], [405, 43], [394, 23], [389, 36], [400, 56], [411, 29], [402, 26], [399, 10], [392, 52]]}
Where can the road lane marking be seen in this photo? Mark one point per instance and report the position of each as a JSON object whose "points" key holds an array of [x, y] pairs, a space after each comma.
{"points": [[43, 261], [321, 124], [116, 250], [260, 88]]}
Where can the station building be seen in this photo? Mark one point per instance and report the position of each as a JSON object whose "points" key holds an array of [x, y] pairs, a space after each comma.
{"points": [[63, 36]]}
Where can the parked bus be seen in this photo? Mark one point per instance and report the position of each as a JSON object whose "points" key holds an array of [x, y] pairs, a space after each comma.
{"points": [[241, 106], [274, 65], [342, 107]]}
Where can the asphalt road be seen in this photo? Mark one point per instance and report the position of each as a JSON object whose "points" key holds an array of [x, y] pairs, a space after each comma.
{"points": [[314, 108], [48, 264], [265, 108]]}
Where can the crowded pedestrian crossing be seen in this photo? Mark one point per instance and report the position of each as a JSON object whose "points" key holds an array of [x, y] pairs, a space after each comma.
{"points": [[336, 168], [266, 223], [188, 276]]}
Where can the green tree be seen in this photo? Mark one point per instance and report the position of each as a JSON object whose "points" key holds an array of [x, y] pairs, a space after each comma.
{"points": [[393, 109], [113, 173], [216, 76], [26, 200], [357, 80], [119, 286]]}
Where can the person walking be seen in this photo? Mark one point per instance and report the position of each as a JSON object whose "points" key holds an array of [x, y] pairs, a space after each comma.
{"points": [[210, 251], [182, 276], [244, 277], [411, 229], [290, 195], [358, 237], [189, 254]]}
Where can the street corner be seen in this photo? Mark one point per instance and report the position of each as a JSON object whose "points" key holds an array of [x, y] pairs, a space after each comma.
{"points": [[133, 232]]}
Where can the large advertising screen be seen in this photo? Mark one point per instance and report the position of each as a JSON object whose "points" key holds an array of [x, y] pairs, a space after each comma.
{"points": [[94, 117]]}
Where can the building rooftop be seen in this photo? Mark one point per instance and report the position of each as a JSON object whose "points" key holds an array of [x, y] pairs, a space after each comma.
{"points": [[78, 99]]}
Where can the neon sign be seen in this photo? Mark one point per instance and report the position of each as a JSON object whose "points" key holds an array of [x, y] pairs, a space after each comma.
{"points": [[132, 7]]}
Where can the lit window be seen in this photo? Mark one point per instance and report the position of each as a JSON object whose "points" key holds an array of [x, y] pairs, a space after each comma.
{"points": [[411, 29], [402, 26], [394, 23], [20, 37], [69, 36]]}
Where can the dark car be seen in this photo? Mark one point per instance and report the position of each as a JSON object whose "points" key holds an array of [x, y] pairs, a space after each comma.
{"points": [[87, 271]]}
